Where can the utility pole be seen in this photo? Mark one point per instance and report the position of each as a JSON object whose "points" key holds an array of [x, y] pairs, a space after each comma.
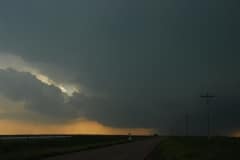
{"points": [[187, 124], [208, 98]]}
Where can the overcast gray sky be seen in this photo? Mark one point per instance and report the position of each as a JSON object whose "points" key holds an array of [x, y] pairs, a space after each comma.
{"points": [[129, 63]]}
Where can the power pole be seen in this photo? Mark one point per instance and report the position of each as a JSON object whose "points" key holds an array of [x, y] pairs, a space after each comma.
{"points": [[208, 98], [186, 125]]}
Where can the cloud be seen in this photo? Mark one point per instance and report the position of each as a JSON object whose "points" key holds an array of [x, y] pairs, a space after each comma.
{"points": [[138, 64], [29, 99], [17, 63], [36, 96]]}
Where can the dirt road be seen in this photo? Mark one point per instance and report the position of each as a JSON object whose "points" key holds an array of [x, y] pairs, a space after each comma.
{"points": [[130, 151]]}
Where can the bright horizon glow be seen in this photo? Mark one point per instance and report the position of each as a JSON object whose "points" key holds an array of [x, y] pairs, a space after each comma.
{"points": [[235, 134], [13, 127]]}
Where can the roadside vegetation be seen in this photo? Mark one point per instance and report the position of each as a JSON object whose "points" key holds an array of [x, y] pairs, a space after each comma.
{"points": [[197, 148], [34, 149]]}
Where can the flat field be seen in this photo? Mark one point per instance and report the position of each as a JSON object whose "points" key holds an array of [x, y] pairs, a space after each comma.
{"points": [[197, 148], [36, 147]]}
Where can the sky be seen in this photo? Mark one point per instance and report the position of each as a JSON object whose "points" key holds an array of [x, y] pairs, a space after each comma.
{"points": [[114, 67]]}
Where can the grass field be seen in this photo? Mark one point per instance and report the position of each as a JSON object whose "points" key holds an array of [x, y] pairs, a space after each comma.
{"points": [[197, 148], [35, 147]]}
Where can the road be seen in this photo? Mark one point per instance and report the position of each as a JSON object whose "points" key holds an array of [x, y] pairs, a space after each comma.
{"points": [[129, 151]]}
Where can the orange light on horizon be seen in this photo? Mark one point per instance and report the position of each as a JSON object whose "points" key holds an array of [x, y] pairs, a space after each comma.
{"points": [[35, 126], [235, 134], [13, 127]]}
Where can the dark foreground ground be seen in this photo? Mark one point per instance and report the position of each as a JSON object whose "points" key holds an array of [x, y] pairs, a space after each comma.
{"points": [[39, 147], [197, 148], [118, 148], [137, 150]]}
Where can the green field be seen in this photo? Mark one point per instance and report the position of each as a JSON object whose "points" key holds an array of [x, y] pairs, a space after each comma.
{"points": [[197, 148], [33, 149]]}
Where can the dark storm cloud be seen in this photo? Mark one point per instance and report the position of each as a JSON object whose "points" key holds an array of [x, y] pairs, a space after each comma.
{"points": [[38, 97], [151, 59]]}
